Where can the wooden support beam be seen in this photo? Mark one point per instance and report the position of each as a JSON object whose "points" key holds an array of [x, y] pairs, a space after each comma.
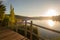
{"points": [[25, 28], [31, 30]]}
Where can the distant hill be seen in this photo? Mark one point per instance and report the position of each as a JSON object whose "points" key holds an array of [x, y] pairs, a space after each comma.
{"points": [[55, 18], [22, 17], [41, 18]]}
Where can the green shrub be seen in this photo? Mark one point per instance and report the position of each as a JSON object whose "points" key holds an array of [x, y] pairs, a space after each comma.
{"points": [[5, 21]]}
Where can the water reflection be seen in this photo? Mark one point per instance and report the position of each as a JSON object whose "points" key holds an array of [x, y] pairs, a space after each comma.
{"points": [[47, 23], [51, 23]]}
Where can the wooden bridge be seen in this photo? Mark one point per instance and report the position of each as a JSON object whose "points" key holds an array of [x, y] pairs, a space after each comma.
{"points": [[7, 34], [31, 33]]}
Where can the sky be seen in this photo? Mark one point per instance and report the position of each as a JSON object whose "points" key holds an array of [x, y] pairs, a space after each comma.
{"points": [[32, 7]]}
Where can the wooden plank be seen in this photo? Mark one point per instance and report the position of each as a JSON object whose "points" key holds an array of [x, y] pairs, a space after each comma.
{"points": [[10, 37], [7, 34], [4, 31]]}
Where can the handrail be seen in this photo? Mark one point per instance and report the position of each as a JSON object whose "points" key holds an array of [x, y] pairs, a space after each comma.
{"points": [[46, 28], [33, 34]]}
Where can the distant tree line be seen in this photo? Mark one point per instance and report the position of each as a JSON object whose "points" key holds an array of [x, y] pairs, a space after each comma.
{"points": [[56, 18]]}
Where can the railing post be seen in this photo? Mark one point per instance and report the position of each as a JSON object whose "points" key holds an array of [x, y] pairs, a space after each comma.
{"points": [[37, 33], [16, 27], [31, 30], [25, 28]]}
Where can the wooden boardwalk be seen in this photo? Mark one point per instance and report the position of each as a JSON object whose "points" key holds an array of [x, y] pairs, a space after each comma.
{"points": [[7, 34]]}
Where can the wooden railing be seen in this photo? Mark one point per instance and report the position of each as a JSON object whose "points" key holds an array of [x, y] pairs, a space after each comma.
{"points": [[31, 30], [46, 28]]}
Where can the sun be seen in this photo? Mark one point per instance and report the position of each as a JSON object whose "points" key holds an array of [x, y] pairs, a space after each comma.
{"points": [[51, 12]]}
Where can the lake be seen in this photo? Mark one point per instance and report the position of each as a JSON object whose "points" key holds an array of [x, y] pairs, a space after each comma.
{"points": [[49, 24]]}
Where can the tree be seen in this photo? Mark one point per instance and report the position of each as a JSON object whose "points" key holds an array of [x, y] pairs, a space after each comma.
{"points": [[5, 21], [2, 10], [12, 16]]}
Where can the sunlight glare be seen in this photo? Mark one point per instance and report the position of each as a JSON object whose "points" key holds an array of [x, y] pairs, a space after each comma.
{"points": [[51, 12], [50, 23]]}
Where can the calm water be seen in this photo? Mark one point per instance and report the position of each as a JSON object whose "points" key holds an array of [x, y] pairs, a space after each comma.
{"points": [[49, 24]]}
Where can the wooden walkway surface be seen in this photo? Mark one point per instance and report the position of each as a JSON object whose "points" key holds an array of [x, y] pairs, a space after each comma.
{"points": [[7, 34]]}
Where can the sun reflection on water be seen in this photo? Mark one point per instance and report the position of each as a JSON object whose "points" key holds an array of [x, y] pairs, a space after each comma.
{"points": [[51, 23]]}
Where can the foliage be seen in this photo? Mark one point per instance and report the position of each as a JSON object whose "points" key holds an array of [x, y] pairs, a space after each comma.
{"points": [[57, 38], [12, 19], [2, 10], [5, 21]]}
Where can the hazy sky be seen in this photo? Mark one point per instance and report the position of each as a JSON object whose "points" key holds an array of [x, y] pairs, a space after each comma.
{"points": [[32, 7]]}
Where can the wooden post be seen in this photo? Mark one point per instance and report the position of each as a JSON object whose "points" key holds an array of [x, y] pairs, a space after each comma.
{"points": [[37, 33], [31, 31], [25, 28], [17, 27]]}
